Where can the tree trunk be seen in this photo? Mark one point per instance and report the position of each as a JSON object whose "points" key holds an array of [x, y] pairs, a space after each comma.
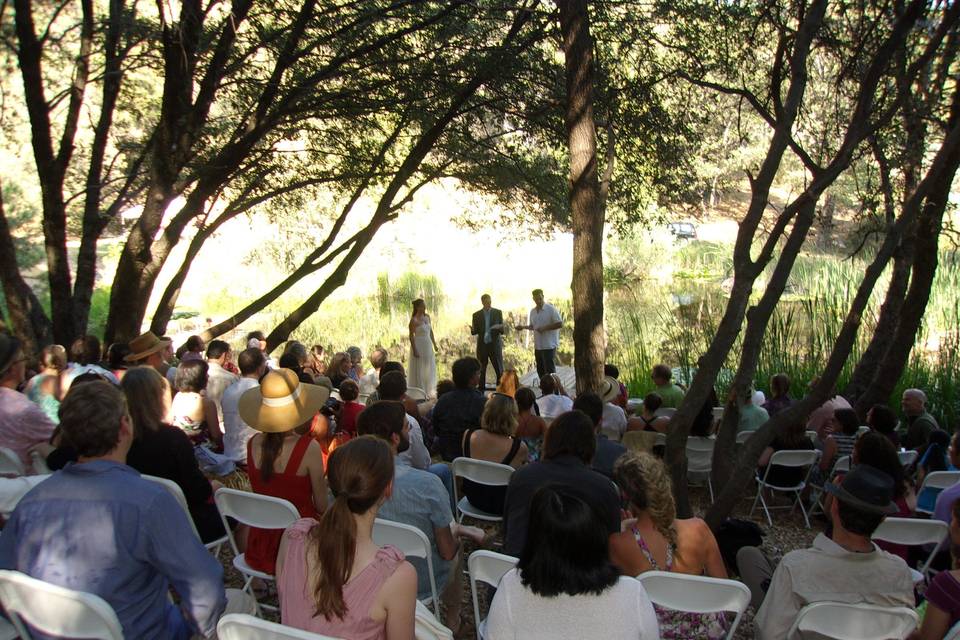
{"points": [[27, 319], [586, 206]]}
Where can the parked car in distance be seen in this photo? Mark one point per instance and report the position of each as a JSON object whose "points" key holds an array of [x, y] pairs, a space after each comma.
{"points": [[683, 230]]}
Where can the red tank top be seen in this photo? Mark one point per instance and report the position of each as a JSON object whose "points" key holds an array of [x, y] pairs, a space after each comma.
{"points": [[263, 544]]}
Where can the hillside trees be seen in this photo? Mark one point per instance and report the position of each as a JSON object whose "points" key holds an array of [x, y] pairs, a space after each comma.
{"points": [[257, 101]]}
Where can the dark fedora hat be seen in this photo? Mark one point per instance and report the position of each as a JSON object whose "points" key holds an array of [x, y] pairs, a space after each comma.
{"points": [[9, 348], [866, 488]]}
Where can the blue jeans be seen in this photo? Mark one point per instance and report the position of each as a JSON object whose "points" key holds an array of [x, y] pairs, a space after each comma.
{"points": [[443, 472]]}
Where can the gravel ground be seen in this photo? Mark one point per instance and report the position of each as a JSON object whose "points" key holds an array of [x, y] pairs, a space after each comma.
{"points": [[787, 533]]}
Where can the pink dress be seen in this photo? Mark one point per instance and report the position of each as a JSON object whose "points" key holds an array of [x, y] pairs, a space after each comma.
{"points": [[295, 588]]}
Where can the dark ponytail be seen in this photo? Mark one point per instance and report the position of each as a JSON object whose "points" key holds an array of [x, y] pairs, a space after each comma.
{"points": [[358, 474], [269, 452]]}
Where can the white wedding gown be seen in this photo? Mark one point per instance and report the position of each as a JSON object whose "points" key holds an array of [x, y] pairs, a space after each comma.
{"points": [[422, 371]]}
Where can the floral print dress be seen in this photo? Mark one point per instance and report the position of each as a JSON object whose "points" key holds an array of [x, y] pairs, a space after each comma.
{"points": [[682, 624]]}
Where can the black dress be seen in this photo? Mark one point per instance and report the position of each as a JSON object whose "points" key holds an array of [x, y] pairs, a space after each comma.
{"points": [[482, 496], [168, 453]]}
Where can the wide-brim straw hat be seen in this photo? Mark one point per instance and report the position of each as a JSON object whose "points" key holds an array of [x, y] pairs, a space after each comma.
{"points": [[609, 389], [281, 402], [144, 345]]}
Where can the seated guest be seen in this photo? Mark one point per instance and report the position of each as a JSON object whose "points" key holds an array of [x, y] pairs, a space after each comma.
{"points": [[191, 410], [509, 382], [564, 585], [946, 498], [752, 416], [493, 442], [356, 363], [97, 526], [842, 436], [45, 388], [933, 458], [192, 349], [614, 417], [283, 461], [792, 438], [611, 370], [149, 350], [554, 399], [339, 368], [821, 419], [219, 377], [316, 365], [458, 410], [236, 432], [568, 451], [393, 387], [530, 427], [917, 423], [656, 540], [648, 420], [670, 393], [875, 450], [882, 419], [779, 395], [23, 424], [607, 450], [845, 567], [370, 380], [290, 361], [162, 450], [331, 577], [419, 499], [943, 594], [117, 358], [85, 355], [347, 424]]}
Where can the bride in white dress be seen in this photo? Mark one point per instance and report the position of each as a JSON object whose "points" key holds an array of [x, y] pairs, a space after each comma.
{"points": [[422, 370]]}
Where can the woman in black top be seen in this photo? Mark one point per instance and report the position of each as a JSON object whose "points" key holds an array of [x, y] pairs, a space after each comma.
{"points": [[165, 451], [496, 441]]}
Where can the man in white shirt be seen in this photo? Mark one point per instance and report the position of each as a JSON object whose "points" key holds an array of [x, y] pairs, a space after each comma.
{"points": [[218, 378], [614, 417], [252, 365], [844, 567], [545, 322]]}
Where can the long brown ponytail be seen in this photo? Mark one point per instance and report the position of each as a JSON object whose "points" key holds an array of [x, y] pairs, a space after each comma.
{"points": [[358, 473]]}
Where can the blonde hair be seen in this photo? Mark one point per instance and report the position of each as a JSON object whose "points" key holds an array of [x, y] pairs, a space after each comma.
{"points": [[500, 415], [644, 480]]}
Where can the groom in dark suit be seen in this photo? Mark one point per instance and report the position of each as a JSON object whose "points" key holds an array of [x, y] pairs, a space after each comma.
{"points": [[488, 327]]}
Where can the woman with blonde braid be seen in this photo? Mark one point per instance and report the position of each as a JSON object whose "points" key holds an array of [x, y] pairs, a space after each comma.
{"points": [[654, 540], [331, 576]]}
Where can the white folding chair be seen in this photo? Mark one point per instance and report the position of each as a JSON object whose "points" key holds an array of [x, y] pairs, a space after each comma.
{"points": [[842, 465], [862, 430], [412, 542], [665, 412], [253, 510], [241, 626], [700, 458], [335, 394], [953, 633], [812, 435], [853, 621], [56, 611], [416, 393], [10, 463], [639, 440], [743, 436], [175, 490], [487, 567], [786, 458], [697, 594], [907, 458], [481, 472], [912, 532], [938, 480], [717, 414]]}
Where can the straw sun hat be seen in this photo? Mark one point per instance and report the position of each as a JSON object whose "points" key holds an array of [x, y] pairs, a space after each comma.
{"points": [[281, 402], [144, 345], [609, 389]]}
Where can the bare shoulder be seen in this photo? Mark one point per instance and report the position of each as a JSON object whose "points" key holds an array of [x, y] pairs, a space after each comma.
{"points": [[694, 527], [402, 580]]}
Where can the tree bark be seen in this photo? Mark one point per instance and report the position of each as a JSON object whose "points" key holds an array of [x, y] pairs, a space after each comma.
{"points": [[586, 206], [26, 315]]}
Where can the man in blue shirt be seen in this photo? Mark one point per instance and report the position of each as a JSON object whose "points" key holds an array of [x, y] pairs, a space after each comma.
{"points": [[97, 526]]}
